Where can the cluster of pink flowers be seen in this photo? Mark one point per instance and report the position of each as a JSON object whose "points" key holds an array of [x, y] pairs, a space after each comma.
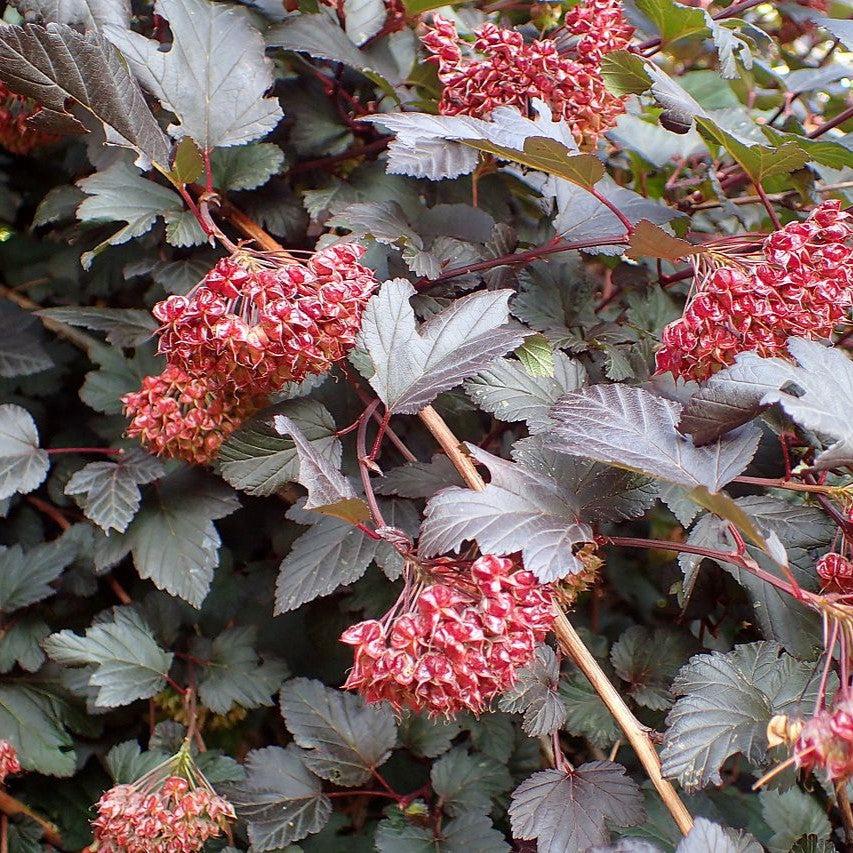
{"points": [[800, 285], [453, 645], [826, 741], [175, 818], [181, 417], [17, 135], [250, 326], [835, 572], [508, 72], [9, 764]]}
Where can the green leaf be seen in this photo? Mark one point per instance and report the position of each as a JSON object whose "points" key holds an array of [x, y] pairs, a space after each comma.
{"points": [[33, 724], [128, 663], [26, 576], [625, 73], [537, 356], [281, 800], [706, 836], [329, 554], [725, 704], [90, 14], [232, 674], [259, 460], [23, 466], [469, 833], [173, 539], [586, 714], [427, 737], [511, 392], [793, 814], [120, 193], [20, 643], [21, 349], [108, 492], [674, 21], [760, 162], [345, 739], [835, 155], [467, 782], [570, 810], [126, 762], [44, 63], [535, 694], [213, 77], [246, 167], [649, 662], [125, 327], [187, 162]]}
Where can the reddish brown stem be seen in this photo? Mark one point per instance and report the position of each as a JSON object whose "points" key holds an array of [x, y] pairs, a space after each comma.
{"points": [[105, 451], [350, 154], [843, 116], [52, 512], [11, 807]]}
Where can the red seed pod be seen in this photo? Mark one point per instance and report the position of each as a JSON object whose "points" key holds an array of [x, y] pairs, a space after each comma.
{"points": [[9, 764], [452, 645], [506, 72], [802, 285], [17, 135], [836, 572]]}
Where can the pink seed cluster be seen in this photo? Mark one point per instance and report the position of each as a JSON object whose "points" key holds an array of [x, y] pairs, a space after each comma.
{"points": [[801, 286], [9, 764], [505, 71], [178, 416], [251, 325], [454, 645], [176, 818], [826, 741], [835, 572]]}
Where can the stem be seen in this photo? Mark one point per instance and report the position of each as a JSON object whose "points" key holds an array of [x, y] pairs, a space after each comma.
{"points": [[363, 459], [754, 199], [11, 807], [844, 807], [636, 734], [629, 226], [4, 834], [363, 794], [120, 593], [572, 644], [774, 217], [781, 483], [550, 248], [350, 154], [828, 125], [53, 513]]}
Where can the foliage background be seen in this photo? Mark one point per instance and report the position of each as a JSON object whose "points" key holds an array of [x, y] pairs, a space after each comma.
{"points": [[219, 580]]}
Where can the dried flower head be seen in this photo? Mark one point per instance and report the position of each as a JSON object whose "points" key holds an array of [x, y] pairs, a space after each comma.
{"points": [[257, 323], [9, 764], [826, 741], [183, 417], [835, 572], [506, 71], [172, 809], [799, 284], [454, 644], [17, 135]]}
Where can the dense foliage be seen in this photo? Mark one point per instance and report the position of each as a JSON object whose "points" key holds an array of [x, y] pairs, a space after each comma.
{"points": [[426, 428]]}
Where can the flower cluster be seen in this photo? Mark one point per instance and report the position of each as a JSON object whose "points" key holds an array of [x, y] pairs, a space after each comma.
{"points": [[173, 818], [181, 417], [9, 764], [509, 72], [800, 285], [17, 135], [250, 326], [826, 741], [452, 645], [835, 572]]}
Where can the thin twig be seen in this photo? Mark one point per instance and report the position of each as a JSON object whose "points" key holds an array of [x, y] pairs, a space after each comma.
{"points": [[11, 807], [844, 807], [771, 212], [780, 483], [843, 116]]}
